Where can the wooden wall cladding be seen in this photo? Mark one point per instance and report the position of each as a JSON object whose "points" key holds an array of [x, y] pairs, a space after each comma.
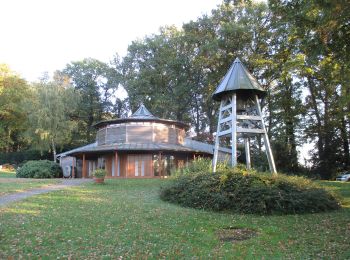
{"points": [[123, 164], [172, 136], [108, 165], [181, 134], [116, 134], [139, 134], [139, 165], [161, 134]]}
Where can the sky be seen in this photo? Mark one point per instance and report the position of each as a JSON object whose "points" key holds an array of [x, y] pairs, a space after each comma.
{"points": [[45, 35]]}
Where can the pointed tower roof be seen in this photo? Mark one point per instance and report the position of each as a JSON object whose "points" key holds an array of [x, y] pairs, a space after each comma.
{"points": [[238, 79], [143, 113]]}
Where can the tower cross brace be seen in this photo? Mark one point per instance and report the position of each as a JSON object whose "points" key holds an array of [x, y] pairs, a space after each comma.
{"points": [[246, 124]]}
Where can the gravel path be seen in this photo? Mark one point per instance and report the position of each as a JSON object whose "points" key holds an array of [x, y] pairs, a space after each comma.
{"points": [[6, 199]]}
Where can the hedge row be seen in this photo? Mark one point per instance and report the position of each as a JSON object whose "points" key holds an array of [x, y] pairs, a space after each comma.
{"points": [[39, 170], [238, 191]]}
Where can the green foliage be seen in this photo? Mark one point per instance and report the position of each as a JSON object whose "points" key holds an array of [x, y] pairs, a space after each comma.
{"points": [[50, 114], [239, 190], [199, 165], [292, 47], [99, 173], [96, 81], [17, 158], [13, 89], [39, 170], [318, 38]]}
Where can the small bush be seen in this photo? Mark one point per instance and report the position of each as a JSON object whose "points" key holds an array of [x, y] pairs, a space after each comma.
{"points": [[239, 191], [39, 170], [99, 173], [198, 166]]}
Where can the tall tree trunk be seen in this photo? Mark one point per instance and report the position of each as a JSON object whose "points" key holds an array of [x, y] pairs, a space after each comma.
{"points": [[53, 146], [327, 133], [344, 135], [320, 141], [292, 147], [8, 141]]}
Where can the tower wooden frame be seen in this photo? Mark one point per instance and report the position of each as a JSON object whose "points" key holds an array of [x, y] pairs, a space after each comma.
{"points": [[240, 122]]}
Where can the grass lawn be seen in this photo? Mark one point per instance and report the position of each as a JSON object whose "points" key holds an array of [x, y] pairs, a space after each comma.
{"points": [[126, 218], [5, 174], [10, 184]]}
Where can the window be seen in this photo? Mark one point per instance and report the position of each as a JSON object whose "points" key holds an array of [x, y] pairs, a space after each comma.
{"points": [[164, 167], [101, 163], [143, 167], [136, 167]]}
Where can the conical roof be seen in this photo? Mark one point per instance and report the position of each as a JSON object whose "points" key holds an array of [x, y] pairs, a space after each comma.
{"points": [[238, 79], [143, 113]]}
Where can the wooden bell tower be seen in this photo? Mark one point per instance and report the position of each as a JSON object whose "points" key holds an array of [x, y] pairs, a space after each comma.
{"points": [[240, 114]]}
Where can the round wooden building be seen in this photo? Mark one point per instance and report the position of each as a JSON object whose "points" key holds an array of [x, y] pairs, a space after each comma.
{"points": [[138, 146]]}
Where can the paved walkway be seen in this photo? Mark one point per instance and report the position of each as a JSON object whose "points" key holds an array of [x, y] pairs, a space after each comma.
{"points": [[6, 199]]}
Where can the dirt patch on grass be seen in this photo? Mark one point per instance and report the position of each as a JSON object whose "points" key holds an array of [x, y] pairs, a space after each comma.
{"points": [[235, 234]]}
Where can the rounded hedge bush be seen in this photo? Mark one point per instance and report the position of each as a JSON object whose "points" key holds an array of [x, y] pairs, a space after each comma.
{"points": [[39, 170], [238, 191]]}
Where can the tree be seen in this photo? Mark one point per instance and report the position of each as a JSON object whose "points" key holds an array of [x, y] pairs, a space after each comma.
{"points": [[96, 81], [50, 114], [120, 108], [154, 72], [322, 39], [13, 89]]}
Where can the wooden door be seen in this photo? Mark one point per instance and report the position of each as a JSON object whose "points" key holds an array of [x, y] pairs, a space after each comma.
{"points": [[139, 165]]}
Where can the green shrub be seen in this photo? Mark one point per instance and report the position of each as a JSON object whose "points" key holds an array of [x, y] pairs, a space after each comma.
{"points": [[18, 158], [239, 191], [199, 165], [39, 170], [99, 173]]}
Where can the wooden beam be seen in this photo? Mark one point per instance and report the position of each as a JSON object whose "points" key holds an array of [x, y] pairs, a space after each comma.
{"points": [[84, 167], [234, 130], [266, 140], [247, 152], [73, 165], [226, 107], [217, 139], [226, 119], [116, 166], [160, 164], [225, 132], [247, 117], [250, 130]]}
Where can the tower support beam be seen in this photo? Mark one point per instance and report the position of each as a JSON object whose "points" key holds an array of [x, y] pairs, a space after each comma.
{"points": [[247, 152], [266, 140], [234, 130], [217, 140], [240, 114]]}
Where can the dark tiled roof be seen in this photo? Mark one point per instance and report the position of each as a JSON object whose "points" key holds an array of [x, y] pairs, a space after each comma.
{"points": [[238, 79], [189, 146], [131, 147]]}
